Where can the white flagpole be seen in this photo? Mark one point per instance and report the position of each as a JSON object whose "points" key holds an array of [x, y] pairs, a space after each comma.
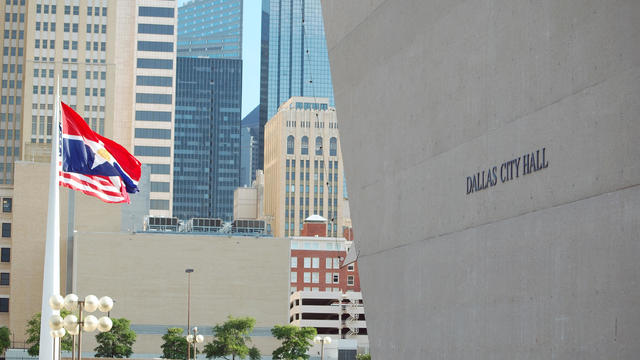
{"points": [[51, 279]]}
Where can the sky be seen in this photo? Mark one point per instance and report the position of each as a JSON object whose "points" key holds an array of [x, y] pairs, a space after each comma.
{"points": [[252, 12]]}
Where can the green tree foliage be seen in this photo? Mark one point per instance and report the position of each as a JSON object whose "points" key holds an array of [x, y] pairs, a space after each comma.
{"points": [[175, 345], [363, 357], [232, 339], [33, 335], [117, 342], [295, 341], [5, 339]]}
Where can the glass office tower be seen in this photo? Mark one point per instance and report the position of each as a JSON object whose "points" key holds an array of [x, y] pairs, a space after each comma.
{"points": [[207, 137], [298, 58], [211, 28]]}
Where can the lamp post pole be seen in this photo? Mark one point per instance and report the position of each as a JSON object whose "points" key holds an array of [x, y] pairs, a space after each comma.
{"points": [[188, 271], [322, 340]]}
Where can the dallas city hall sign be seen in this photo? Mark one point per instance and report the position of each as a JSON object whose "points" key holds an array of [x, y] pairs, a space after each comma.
{"points": [[508, 171]]}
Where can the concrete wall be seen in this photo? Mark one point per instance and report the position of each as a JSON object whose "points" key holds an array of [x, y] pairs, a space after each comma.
{"points": [[541, 266], [145, 274]]}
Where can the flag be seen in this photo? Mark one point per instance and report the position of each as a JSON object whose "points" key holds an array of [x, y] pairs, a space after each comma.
{"points": [[93, 164]]}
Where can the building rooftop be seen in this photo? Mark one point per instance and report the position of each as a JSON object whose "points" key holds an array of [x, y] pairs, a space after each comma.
{"points": [[315, 218]]}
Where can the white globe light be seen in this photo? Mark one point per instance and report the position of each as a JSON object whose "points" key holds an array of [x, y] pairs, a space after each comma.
{"points": [[189, 338], [90, 323], [105, 304], [317, 339], [104, 324], [56, 322], [59, 333], [54, 333], [199, 338], [70, 322], [327, 340], [91, 303], [74, 331], [56, 302], [70, 301]]}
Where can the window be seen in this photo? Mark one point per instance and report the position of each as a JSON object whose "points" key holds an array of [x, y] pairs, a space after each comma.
{"points": [[143, 133], [159, 204], [336, 261], [155, 46], [315, 278], [336, 278], [315, 263], [154, 80], [307, 263], [160, 169], [5, 255], [290, 142], [350, 280], [4, 278], [153, 116], [304, 146], [294, 262], [6, 229], [155, 11], [307, 277], [144, 98], [4, 304], [328, 278], [155, 29], [350, 267], [155, 64], [157, 186], [152, 150], [294, 277], [329, 263], [319, 145], [333, 146], [6, 205]]}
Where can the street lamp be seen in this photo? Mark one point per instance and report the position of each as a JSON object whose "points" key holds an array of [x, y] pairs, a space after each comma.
{"points": [[322, 340], [188, 271], [72, 324], [195, 339]]}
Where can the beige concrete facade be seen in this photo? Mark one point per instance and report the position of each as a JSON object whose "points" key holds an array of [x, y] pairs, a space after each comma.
{"points": [[302, 180], [144, 272], [538, 265], [248, 202]]}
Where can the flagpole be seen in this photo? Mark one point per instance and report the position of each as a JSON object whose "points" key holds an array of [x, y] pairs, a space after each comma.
{"points": [[51, 278]]}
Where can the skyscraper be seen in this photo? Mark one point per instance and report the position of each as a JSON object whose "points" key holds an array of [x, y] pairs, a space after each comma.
{"points": [[298, 58], [258, 156], [106, 55], [303, 167], [207, 137], [210, 28]]}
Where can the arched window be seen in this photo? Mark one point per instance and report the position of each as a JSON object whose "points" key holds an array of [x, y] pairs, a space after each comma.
{"points": [[333, 147], [290, 145], [305, 146], [319, 145]]}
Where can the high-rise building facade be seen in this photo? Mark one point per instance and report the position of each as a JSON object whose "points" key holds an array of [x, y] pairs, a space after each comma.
{"points": [[207, 137], [97, 50], [303, 167], [298, 59], [210, 28], [154, 103], [258, 156]]}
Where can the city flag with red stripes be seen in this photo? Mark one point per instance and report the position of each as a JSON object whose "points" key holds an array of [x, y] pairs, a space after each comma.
{"points": [[93, 164]]}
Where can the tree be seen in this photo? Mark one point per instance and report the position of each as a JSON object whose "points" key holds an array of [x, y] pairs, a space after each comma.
{"points": [[175, 345], [295, 341], [363, 357], [231, 339], [5, 339], [117, 342], [33, 334]]}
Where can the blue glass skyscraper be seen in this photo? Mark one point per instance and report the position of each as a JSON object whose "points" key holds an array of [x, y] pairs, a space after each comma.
{"points": [[207, 137], [298, 57], [211, 28]]}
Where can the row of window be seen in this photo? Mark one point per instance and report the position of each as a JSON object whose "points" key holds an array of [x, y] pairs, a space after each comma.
{"points": [[153, 116], [160, 46], [68, 10], [152, 151], [165, 81], [14, 34], [155, 29], [159, 204], [15, 2], [153, 133], [314, 262], [314, 278], [146, 98], [11, 100], [156, 11], [332, 164], [12, 51], [304, 145], [154, 64]]}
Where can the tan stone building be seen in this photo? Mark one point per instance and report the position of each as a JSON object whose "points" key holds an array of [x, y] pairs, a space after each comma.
{"points": [[303, 167], [145, 272], [114, 60]]}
